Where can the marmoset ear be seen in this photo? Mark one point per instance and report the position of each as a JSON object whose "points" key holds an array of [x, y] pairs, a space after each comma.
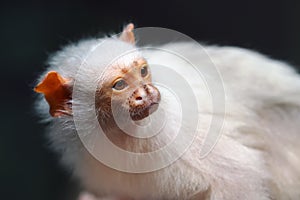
{"points": [[127, 34], [57, 91]]}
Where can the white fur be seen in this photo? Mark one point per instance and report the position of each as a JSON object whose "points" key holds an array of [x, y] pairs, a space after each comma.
{"points": [[257, 156]]}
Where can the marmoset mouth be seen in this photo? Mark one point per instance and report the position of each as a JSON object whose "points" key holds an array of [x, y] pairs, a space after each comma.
{"points": [[143, 112]]}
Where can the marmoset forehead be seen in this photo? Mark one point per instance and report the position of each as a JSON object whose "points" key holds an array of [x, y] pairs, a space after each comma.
{"points": [[123, 67]]}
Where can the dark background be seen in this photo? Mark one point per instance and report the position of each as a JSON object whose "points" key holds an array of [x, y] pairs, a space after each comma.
{"points": [[30, 31]]}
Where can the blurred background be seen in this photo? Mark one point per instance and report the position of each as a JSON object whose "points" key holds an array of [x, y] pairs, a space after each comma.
{"points": [[32, 30]]}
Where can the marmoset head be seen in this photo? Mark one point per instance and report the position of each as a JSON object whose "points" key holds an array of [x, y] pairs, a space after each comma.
{"points": [[125, 85], [129, 89]]}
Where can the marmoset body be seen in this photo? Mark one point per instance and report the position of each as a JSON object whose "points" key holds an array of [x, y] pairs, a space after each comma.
{"points": [[257, 155]]}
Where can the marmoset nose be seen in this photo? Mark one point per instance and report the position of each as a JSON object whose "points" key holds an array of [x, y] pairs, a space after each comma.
{"points": [[140, 96], [143, 102]]}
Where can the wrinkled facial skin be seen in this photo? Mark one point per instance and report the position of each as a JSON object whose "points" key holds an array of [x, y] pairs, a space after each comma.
{"points": [[131, 89]]}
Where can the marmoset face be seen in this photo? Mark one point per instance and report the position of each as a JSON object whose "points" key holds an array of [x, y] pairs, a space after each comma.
{"points": [[129, 89]]}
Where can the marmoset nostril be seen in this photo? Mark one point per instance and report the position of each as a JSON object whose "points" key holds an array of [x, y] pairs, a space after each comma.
{"points": [[139, 98]]}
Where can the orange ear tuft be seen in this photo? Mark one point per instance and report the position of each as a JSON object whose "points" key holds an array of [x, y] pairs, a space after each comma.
{"points": [[58, 93], [127, 35]]}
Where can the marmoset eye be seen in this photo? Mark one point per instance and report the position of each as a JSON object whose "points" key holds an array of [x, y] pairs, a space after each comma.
{"points": [[144, 71], [120, 85]]}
